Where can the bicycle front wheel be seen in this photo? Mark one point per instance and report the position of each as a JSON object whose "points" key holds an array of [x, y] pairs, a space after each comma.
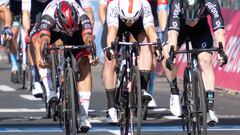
{"points": [[135, 102], [70, 115], [201, 108]]}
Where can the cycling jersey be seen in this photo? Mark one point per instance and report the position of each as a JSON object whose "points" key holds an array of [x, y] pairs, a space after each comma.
{"points": [[48, 23], [212, 8], [113, 14], [4, 2]]}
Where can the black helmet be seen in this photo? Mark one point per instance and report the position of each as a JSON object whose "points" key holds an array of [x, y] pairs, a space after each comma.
{"points": [[192, 10]]}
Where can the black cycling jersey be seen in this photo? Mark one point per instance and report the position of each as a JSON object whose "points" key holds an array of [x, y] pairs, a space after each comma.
{"points": [[37, 8], [212, 8]]}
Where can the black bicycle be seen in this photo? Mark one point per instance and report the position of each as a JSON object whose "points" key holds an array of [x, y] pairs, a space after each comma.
{"points": [[129, 94], [68, 106], [194, 96]]}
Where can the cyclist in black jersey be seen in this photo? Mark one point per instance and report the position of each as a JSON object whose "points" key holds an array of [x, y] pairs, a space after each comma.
{"points": [[188, 18]]}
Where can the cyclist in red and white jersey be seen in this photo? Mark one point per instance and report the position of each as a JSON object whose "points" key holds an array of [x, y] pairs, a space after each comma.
{"points": [[65, 19], [188, 18], [136, 17]]}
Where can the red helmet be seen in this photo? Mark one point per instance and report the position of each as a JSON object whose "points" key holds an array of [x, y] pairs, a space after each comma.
{"points": [[66, 17]]}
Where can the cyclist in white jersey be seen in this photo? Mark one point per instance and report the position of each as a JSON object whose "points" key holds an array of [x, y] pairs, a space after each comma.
{"points": [[136, 17]]}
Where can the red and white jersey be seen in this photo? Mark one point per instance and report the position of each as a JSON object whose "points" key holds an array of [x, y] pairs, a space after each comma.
{"points": [[113, 14]]}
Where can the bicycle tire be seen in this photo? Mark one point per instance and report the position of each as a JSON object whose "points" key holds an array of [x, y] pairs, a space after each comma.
{"points": [[201, 108], [188, 103], [54, 76], [135, 102], [70, 121]]}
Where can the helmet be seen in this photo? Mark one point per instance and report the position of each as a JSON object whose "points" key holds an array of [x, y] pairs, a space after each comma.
{"points": [[66, 17], [192, 10], [130, 10]]}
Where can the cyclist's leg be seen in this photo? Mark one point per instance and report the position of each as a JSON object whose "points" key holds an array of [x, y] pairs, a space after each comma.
{"points": [[175, 105], [37, 90], [84, 86], [13, 52], [145, 64], [205, 60], [109, 78]]}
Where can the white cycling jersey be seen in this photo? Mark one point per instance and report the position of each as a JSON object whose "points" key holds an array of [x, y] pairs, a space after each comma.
{"points": [[113, 14], [4, 2]]}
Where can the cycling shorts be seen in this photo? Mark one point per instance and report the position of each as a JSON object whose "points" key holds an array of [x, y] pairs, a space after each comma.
{"points": [[199, 35]]}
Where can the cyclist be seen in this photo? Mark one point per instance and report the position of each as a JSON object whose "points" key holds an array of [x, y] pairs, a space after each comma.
{"points": [[65, 19], [136, 17], [6, 16], [188, 18]]}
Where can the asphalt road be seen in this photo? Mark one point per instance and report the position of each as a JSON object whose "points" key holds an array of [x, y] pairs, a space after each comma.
{"points": [[22, 114]]}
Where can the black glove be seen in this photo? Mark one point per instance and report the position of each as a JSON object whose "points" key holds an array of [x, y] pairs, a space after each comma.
{"points": [[224, 60], [169, 64]]}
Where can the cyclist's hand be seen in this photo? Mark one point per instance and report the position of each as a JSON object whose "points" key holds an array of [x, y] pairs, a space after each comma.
{"points": [[170, 64], [44, 64], [222, 59], [109, 53], [92, 61], [7, 33], [87, 38]]}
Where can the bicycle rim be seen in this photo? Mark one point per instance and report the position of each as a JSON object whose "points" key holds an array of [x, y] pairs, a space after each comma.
{"points": [[201, 108], [135, 101], [70, 121]]}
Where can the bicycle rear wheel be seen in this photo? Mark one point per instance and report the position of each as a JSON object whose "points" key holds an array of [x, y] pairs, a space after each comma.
{"points": [[135, 102], [70, 115]]}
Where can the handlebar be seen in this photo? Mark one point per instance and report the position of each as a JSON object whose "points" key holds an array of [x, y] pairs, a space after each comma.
{"points": [[172, 54], [115, 45]]}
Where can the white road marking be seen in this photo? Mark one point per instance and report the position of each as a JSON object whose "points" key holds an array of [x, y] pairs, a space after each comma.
{"points": [[30, 97], [20, 110], [6, 88]]}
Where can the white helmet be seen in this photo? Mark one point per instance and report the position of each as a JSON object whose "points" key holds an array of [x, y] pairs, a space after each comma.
{"points": [[130, 10]]}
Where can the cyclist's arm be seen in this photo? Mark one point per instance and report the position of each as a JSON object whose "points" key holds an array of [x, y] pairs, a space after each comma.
{"points": [[6, 15], [112, 22], [87, 30], [87, 7], [174, 23], [102, 9], [148, 22], [162, 11], [214, 9], [26, 7]]}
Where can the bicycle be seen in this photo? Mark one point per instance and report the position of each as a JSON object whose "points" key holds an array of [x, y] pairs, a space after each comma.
{"points": [[193, 100], [128, 89], [24, 70], [68, 106]]}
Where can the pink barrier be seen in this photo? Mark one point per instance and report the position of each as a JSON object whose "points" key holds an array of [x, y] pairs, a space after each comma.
{"points": [[227, 77]]}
